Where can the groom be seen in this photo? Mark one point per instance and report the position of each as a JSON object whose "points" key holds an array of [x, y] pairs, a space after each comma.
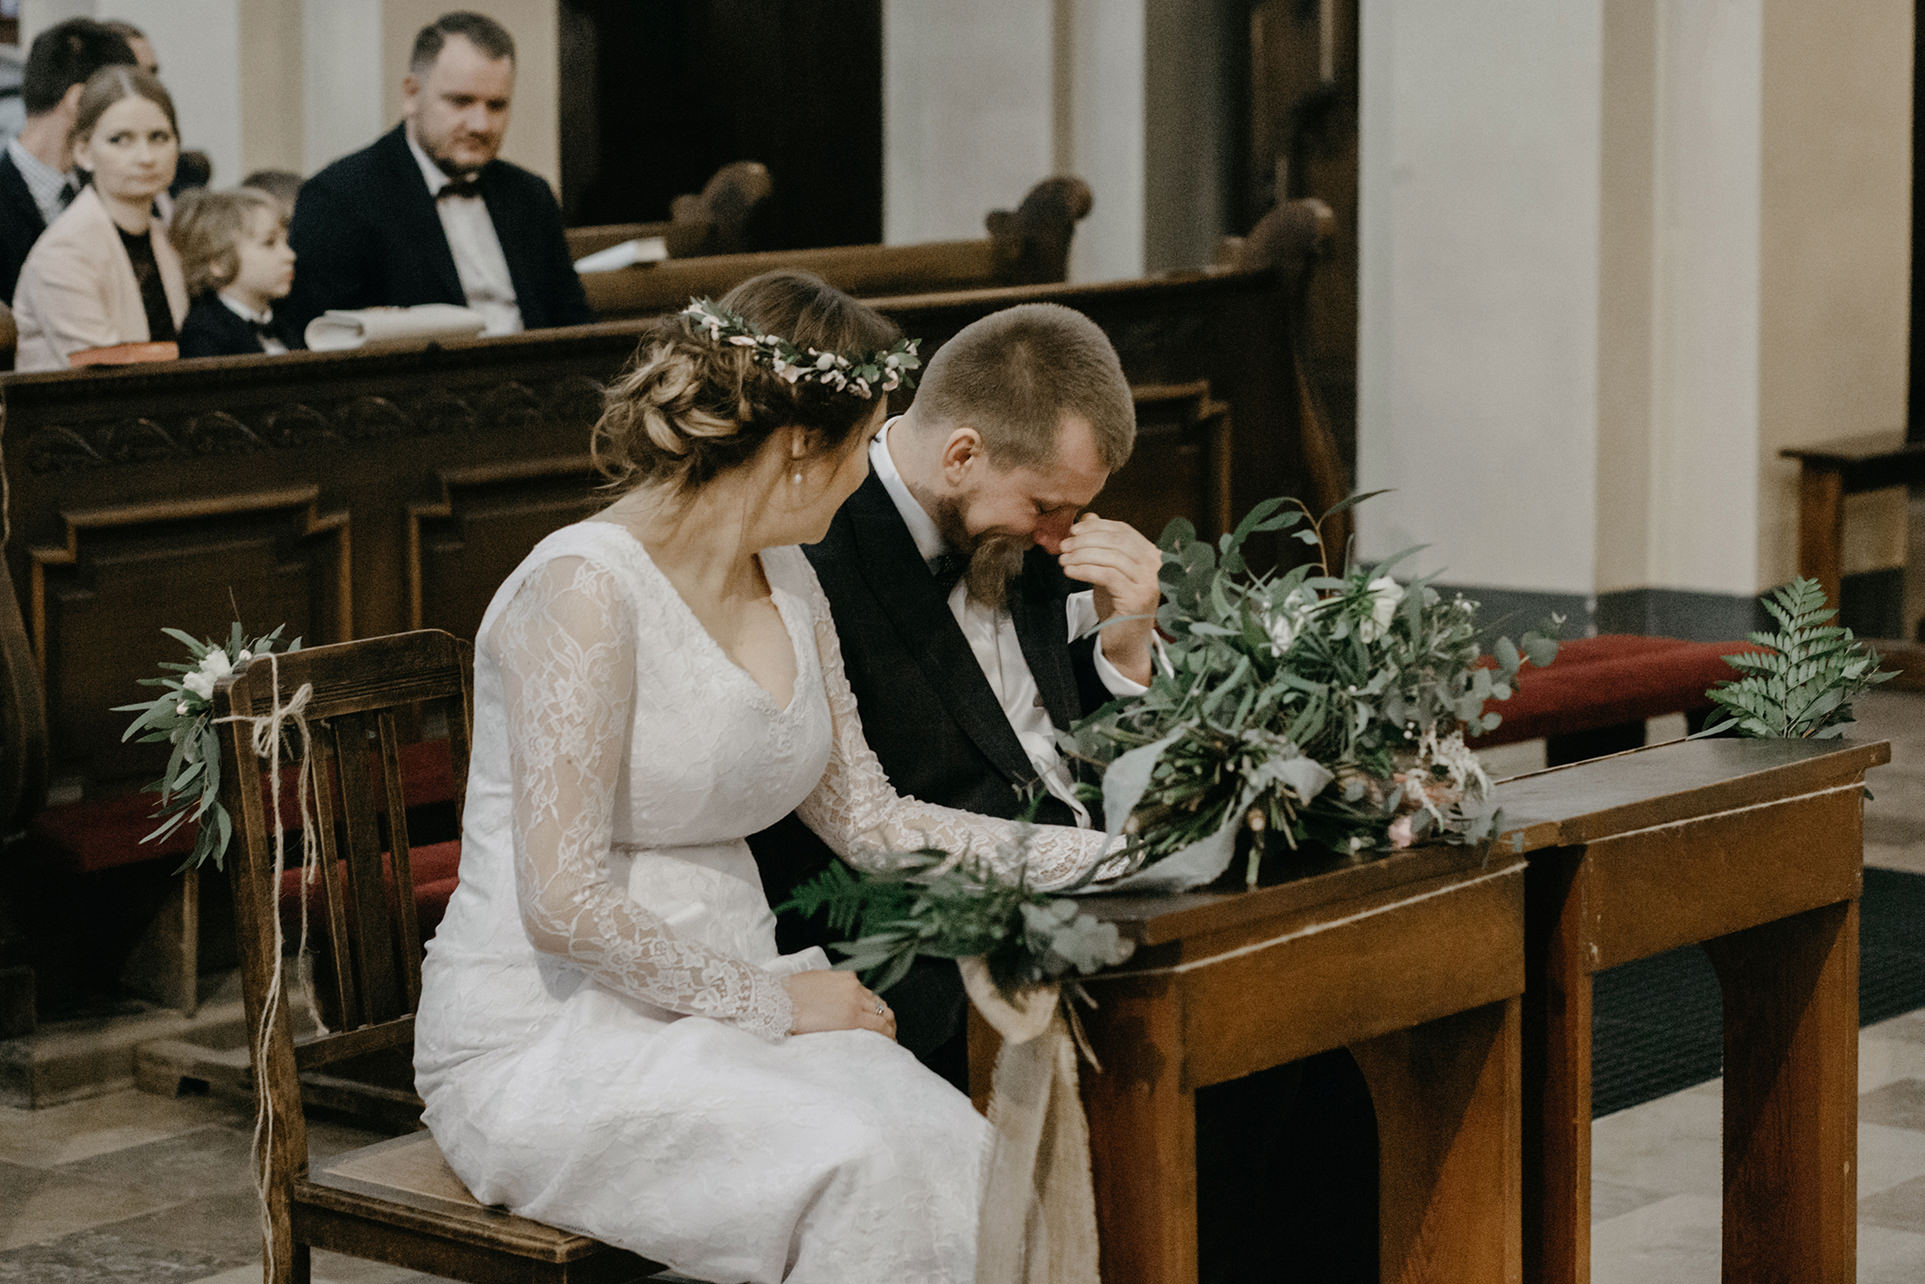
{"points": [[965, 590], [967, 593]]}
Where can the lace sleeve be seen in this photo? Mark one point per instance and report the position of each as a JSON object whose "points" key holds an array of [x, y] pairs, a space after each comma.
{"points": [[857, 812], [566, 650]]}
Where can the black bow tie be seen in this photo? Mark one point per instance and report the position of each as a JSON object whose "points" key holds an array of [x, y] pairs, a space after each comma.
{"points": [[459, 187], [947, 570]]}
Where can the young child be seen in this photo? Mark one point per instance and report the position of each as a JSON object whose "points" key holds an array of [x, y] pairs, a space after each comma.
{"points": [[234, 252]]}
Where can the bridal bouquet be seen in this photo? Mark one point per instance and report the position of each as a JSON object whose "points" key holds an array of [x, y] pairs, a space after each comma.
{"points": [[183, 714], [957, 907], [1312, 707]]}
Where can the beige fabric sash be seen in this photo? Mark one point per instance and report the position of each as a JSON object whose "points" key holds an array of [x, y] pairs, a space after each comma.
{"points": [[1039, 1208]]}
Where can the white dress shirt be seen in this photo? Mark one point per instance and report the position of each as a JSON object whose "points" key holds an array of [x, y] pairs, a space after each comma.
{"points": [[479, 262], [263, 321], [51, 189], [991, 635]]}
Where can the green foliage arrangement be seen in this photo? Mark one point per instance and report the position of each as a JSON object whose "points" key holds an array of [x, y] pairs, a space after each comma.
{"points": [[956, 907], [1803, 682], [1311, 707], [183, 713]]}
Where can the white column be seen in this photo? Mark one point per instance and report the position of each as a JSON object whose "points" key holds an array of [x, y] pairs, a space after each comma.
{"points": [[966, 113], [1705, 300], [343, 87], [1477, 361], [984, 98]]}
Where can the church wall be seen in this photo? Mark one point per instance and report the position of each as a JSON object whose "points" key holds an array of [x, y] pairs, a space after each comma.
{"points": [[1747, 236]]}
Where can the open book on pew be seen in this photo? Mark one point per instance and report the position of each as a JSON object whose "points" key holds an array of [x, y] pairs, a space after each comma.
{"points": [[338, 329], [629, 253]]}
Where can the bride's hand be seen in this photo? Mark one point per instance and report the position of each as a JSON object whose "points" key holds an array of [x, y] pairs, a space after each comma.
{"points": [[836, 1001]]}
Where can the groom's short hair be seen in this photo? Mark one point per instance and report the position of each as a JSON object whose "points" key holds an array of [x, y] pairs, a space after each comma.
{"points": [[1014, 374]]}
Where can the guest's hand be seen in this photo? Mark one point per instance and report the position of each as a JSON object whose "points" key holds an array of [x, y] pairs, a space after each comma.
{"points": [[1121, 565], [836, 1001]]}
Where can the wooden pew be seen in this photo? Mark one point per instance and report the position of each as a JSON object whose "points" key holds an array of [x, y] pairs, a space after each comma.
{"points": [[355, 494], [715, 220], [1829, 472], [1025, 246]]}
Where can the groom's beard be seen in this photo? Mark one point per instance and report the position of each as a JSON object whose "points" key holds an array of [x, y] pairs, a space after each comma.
{"points": [[993, 563], [994, 558]]}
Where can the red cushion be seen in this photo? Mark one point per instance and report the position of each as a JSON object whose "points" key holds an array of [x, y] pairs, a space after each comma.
{"points": [[1609, 680], [435, 867], [96, 834], [104, 833]]}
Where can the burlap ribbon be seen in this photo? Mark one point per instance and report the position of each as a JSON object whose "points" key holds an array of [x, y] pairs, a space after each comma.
{"points": [[1039, 1208]]}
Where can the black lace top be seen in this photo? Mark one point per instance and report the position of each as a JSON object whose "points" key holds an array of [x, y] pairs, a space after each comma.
{"points": [[153, 294]]}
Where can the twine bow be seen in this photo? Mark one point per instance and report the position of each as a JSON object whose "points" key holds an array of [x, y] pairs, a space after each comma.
{"points": [[1038, 1221]]}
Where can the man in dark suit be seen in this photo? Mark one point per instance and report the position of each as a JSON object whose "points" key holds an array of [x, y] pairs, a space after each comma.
{"points": [[428, 213], [1016, 426], [37, 177], [966, 592]]}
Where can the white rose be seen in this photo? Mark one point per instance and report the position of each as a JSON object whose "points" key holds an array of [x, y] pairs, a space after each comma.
{"points": [[213, 667], [1286, 620], [1385, 594]]}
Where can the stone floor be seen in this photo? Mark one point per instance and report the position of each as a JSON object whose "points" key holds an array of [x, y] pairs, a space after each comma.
{"points": [[133, 1187]]}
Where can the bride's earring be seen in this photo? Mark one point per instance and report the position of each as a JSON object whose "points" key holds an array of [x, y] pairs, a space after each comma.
{"points": [[795, 477]]}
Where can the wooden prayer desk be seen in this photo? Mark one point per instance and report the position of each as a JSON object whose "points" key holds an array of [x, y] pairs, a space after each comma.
{"points": [[1414, 962], [1753, 848]]}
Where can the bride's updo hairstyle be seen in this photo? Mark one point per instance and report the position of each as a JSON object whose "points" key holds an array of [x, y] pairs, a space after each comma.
{"points": [[690, 406]]}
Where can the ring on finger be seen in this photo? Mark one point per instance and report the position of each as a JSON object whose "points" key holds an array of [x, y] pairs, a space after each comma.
{"points": [[881, 1007]]}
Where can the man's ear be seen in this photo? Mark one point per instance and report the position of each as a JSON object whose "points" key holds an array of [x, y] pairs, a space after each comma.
{"points": [[410, 92], [963, 449]]}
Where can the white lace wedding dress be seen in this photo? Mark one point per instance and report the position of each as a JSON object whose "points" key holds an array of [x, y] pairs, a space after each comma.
{"points": [[603, 1034]]}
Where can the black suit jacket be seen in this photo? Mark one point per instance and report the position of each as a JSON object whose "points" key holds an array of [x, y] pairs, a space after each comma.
{"points": [[365, 234], [20, 224], [927, 709], [212, 329]]}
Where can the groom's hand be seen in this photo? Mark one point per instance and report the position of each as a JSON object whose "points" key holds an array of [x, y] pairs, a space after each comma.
{"points": [[1121, 565]]}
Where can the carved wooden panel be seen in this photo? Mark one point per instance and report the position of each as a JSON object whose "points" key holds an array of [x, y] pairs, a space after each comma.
{"points": [[462, 546], [99, 600], [1181, 464]]}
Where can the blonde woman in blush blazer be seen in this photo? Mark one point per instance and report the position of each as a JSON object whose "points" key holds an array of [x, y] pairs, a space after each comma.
{"points": [[104, 273]]}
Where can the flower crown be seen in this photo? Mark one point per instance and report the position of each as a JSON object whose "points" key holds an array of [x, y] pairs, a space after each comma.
{"points": [[862, 376]]}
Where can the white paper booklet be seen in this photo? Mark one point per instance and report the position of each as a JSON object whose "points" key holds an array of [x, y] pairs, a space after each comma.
{"points": [[354, 328], [643, 249]]}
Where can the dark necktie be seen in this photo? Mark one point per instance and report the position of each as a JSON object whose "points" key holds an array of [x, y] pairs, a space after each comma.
{"points": [[67, 193], [459, 187], [947, 570]]}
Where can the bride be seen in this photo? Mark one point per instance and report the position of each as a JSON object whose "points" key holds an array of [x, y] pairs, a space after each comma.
{"points": [[608, 1039]]}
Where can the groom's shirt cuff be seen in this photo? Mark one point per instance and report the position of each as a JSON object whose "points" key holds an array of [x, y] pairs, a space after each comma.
{"points": [[1081, 608]]}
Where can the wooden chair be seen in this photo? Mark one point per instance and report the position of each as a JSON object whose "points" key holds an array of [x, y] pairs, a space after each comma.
{"points": [[396, 1201]]}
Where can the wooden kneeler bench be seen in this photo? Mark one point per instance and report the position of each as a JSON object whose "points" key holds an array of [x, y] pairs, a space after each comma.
{"points": [[396, 1201], [1595, 697]]}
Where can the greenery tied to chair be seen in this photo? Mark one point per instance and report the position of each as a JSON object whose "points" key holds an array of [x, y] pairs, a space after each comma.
{"points": [[183, 713]]}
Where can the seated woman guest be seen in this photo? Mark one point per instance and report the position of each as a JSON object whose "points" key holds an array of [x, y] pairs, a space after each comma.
{"points": [[100, 277], [234, 251], [608, 1038]]}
